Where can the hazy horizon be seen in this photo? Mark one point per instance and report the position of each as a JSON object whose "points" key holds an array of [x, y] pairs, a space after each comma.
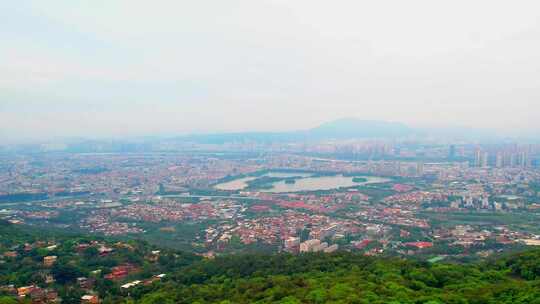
{"points": [[127, 68]]}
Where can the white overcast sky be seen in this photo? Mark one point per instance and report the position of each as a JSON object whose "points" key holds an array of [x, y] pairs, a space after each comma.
{"points": [[113, 68]]}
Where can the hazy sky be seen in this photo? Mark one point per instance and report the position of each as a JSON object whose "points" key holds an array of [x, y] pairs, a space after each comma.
{"points": [[99, 68]]}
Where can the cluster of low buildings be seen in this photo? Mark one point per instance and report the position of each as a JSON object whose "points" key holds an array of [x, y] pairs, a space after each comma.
{"points": [[122, 219], [397, 215], [47, 294], [283, 231], [32, 293], [100, 222], [468, 235], [146, 282], [415, 197]]}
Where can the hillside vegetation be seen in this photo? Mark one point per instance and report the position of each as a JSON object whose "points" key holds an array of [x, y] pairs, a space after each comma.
{"points": [[341, 277], [351, 278]]}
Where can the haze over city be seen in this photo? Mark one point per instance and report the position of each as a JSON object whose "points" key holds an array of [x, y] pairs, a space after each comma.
{"points": [[134, 68], [269, 151]]}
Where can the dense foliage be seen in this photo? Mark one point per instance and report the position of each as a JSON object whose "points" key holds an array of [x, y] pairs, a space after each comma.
{"points": [[255, 278], [350, 278]]}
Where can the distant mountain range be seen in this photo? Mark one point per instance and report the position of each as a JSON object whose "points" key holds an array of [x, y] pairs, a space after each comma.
{"points": [[341, 129], [353, 128], [356, 128], [346, 128]]}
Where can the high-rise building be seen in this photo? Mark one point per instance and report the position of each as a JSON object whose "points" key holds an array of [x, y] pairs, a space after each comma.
{"points": [[499, 161], [524, 160], [420, 168], [485, 203], [485, 160], [513, 160], [452, 152], [481, 159], [478, 158]]}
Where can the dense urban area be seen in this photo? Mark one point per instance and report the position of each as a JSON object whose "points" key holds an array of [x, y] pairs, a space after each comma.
{"points": [[111, 223]]}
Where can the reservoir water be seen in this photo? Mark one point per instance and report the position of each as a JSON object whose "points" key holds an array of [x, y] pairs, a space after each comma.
{"points": [[322, 183], [306, 182]]}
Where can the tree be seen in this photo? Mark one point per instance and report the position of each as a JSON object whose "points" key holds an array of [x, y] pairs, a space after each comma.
{"points": [[8, 300], [289, 300], [65, 273], [157, 298], [91, 252], [317, 296]]}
